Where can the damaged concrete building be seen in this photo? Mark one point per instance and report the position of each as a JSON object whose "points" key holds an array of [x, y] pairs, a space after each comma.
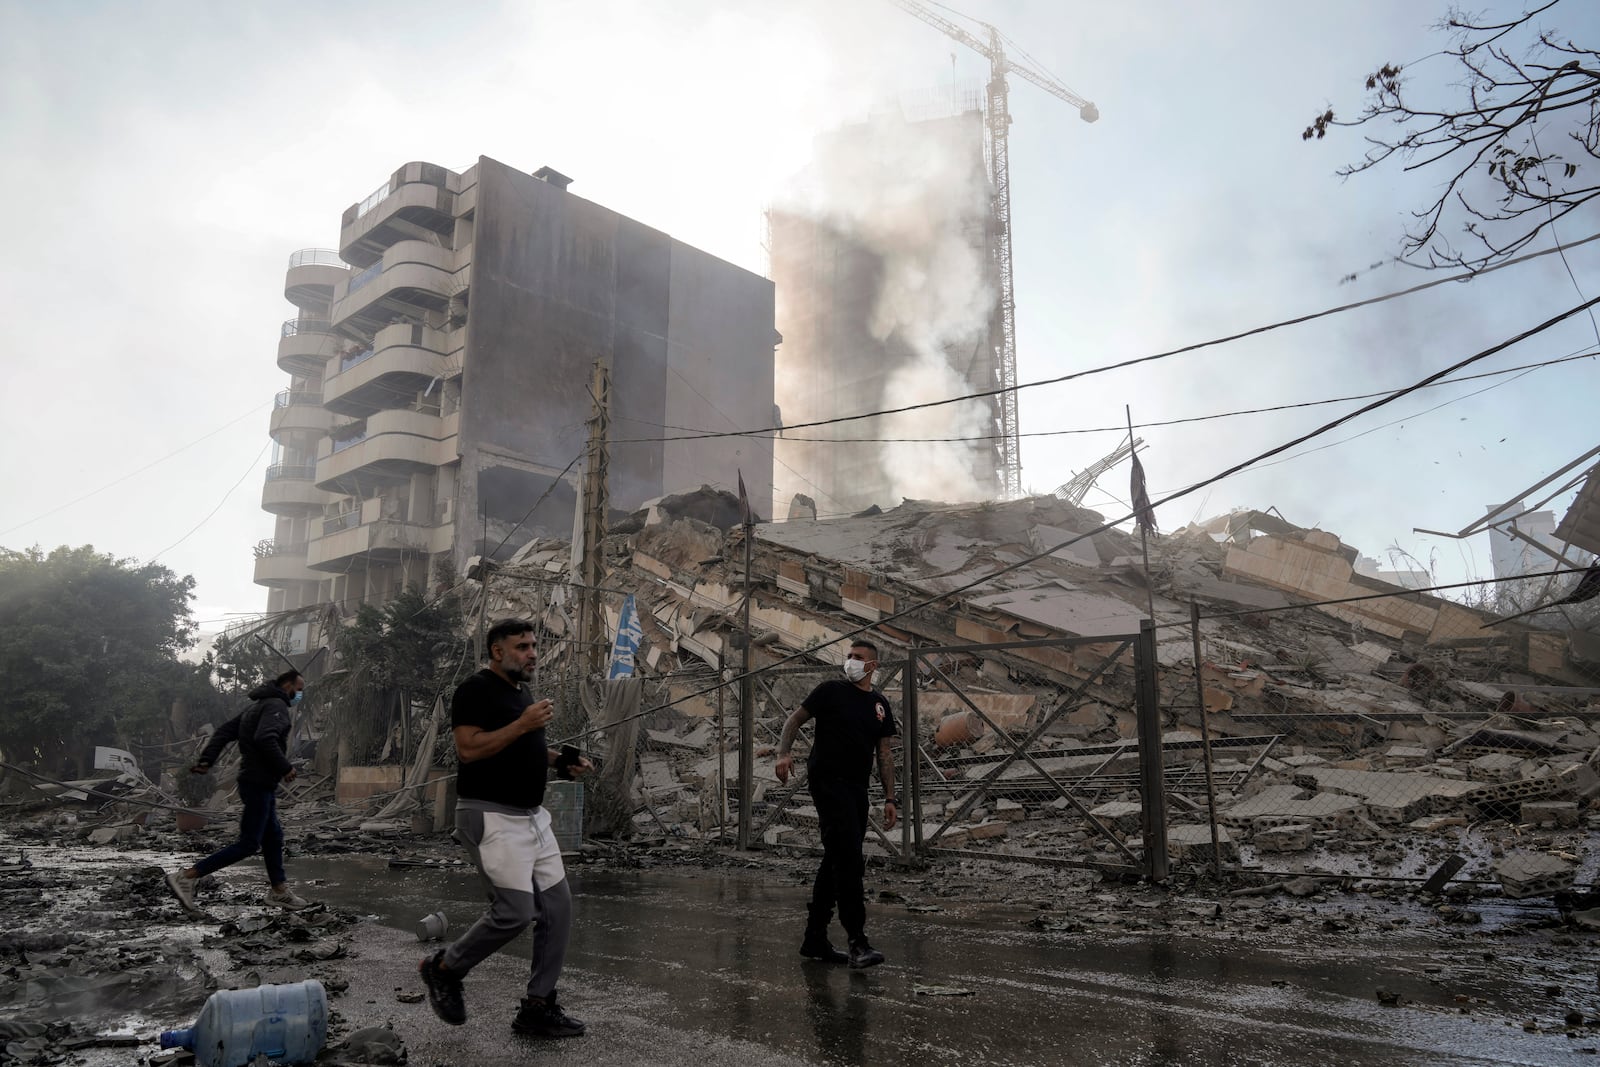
{"points": [[439, 366], [1348, 726]]}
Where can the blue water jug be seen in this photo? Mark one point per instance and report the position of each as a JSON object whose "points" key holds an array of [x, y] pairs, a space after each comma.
{"points": [[287, 1023]]}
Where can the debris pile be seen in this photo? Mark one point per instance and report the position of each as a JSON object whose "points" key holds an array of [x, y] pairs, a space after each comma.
{"points": [[1365, 735]]}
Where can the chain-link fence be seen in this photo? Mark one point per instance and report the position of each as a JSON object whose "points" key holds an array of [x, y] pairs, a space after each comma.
{"points": [[1400, 735], [1055, 773], [783, 814]]}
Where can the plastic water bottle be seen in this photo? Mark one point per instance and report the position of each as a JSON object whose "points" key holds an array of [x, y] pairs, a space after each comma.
{"points": [[286, 1023]]}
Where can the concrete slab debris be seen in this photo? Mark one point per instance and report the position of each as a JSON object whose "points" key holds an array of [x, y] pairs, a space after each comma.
{"points": [[1533, 874]]}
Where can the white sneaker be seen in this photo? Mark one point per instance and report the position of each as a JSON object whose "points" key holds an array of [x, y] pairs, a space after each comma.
{"points": [[287, 899], [182, 887]]}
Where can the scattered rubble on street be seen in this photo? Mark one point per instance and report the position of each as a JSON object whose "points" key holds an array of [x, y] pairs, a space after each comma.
{"points": [[1355, 749]]}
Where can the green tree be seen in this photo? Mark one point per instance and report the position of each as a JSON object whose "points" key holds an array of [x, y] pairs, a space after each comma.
{"points": [[89, 648], [392, 661], [1512, 136], [240, 662]]}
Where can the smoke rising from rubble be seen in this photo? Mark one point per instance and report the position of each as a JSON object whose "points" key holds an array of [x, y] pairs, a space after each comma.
{"points": [[914, 196]]}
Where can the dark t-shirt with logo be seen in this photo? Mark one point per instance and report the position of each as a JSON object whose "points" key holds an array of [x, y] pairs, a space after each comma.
{"points": [[515, 776], [850, 723]]}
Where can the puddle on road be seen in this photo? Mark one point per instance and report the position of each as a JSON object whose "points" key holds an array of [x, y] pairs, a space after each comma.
{"points": [[715, 952]]}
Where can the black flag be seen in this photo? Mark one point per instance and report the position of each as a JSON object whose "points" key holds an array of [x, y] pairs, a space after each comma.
{"points": [[1144, 516], [744, 504]]}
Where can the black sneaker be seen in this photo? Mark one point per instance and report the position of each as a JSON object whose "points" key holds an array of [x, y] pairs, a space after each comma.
{"points": [[444, 991], [863, 955], [544, 1018], [820, 948]]}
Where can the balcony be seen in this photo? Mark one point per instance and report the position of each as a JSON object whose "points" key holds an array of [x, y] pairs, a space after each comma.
{"points": [[291, 489], [379, 541], [412, 278], [404, 360], [313, 273], [395, 445], [299, 420], [280, 564], [416, 199], [305, 345]]}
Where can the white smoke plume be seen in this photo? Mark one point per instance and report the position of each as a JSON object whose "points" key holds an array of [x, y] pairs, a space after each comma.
{"points": [[915, 196]]}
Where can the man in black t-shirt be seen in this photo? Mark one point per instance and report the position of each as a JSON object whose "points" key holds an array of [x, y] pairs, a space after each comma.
{"points": [[854, 724], [499, 736]]}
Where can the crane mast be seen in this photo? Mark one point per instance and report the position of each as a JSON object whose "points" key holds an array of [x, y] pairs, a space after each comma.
{"points": [[997, 124]]}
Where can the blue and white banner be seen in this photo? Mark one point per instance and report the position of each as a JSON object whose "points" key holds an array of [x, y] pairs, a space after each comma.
{"points": [[629, 634]]}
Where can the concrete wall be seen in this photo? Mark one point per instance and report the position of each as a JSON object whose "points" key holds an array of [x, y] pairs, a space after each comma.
{"points": [[1316, 566], [559, 282]]}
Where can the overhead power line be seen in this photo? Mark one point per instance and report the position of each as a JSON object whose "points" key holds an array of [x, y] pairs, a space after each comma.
{"points": [[134, 473], [213, 511], [1124, 364], [1122, 428]]}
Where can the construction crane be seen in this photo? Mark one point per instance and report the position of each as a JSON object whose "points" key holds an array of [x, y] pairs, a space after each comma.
{"points": [[997, 122]]}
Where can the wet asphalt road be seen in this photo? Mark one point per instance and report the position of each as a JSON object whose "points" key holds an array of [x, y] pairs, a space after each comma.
{"points": [[694, 968]]}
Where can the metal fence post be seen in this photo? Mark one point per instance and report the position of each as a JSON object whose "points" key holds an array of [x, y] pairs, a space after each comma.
{"points": [[1205, 737], [911, 745], [1154, 798]]}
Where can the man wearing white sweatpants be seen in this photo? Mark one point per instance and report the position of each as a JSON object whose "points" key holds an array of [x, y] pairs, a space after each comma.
{"points": [[499, 735]]}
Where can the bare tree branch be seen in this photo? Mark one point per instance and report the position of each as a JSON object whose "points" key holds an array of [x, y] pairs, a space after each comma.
{"points": [[1500, 191]]}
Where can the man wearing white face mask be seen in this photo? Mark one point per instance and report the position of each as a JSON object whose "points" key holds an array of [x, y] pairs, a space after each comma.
{"points": [[854, 724]]}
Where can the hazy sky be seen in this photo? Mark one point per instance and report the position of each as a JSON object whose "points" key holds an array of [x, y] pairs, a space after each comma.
{"points": [[163, 159]]}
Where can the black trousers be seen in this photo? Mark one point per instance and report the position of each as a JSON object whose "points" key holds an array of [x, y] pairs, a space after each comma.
{"points": [[842, 816]]}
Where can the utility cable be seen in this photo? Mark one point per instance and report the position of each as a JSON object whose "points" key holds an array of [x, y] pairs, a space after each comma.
{"points": [[771, 452], [135, 473], [1386, 425], [224, 500], [525, 517], [1254, 331], [1186, 491], [1122, 428], [1387, 596]]}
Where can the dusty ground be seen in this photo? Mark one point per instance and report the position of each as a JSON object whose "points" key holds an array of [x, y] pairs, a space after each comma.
{"points": [[95, 958]]}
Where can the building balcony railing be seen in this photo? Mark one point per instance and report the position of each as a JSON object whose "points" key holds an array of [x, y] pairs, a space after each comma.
{"points": [[316, 257], [396, 444], [299, 420], [291, 472], [346, 442], [380, 541], [375, 198], [414, 278], [282, 564], [305, 345], [295, 327], [364, 277], [417, 195], [310, 280], [351, 359], [406, 359], [297, 396], [345, 520], [273, 547]]}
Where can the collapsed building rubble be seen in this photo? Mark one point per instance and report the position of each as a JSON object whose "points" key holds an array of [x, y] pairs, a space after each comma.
{"points": [[1362, 735], [1382, 735]]}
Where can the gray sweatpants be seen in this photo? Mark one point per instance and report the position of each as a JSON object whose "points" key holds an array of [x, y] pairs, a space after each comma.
{"points": [[519, 859]]}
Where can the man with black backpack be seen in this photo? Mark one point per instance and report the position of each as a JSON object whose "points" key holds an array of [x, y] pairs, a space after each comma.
{"points": [[262, 731]]}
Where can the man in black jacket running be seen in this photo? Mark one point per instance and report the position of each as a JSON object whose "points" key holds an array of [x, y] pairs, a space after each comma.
{"points": [[262, 731]]}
